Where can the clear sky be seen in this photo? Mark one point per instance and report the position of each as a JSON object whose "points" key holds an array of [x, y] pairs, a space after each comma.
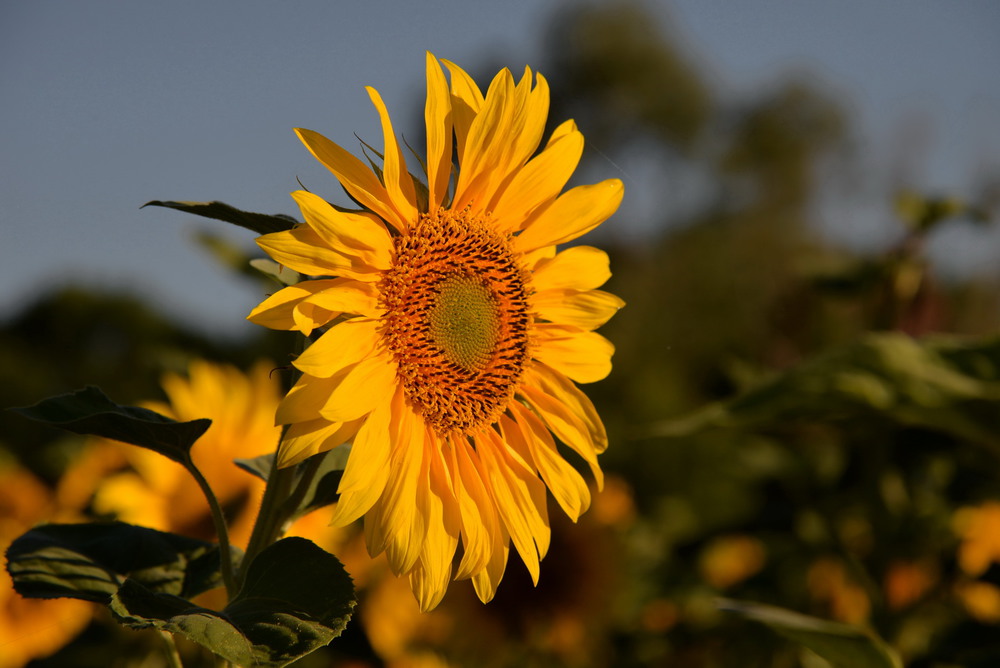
{"points": [[108, 104]]}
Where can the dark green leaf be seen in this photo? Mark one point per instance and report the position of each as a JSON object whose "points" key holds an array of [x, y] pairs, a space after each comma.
{"points": [[322, 489], [257, 466], [260, 223], [295, 599], [137, 607], [89, 411], [90, 561], [842, 645]]}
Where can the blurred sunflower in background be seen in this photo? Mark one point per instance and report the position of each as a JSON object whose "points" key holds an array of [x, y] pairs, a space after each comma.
{"points": [[452, 332], [138, 486], [34, 628], [141, 488]]}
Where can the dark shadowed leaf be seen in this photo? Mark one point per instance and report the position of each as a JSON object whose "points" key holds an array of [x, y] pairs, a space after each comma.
{"points": [[90, 561], [322, 490], [295, 599], [261, 223], [842, 645], [257, 466], [89, 411]]}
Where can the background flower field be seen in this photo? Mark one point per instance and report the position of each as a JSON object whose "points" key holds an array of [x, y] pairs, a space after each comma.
{"points": [[794, 421]]}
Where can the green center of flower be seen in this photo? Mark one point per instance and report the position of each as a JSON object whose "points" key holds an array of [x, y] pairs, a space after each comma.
{"points": [[464, 321]]}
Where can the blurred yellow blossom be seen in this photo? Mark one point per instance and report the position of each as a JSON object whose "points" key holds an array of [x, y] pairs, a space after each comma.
{"points": [[159, 493], [727, 560], [907, 581], [979, 530], [144, 488], [830, 585], [980, 599], [32, 628]]}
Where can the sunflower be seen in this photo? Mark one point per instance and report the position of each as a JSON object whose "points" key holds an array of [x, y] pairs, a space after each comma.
{"points": [[451, 332]]}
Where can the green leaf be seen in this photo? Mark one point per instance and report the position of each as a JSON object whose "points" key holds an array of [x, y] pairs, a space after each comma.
{"points": [[322, 490], [260, 223], [90, 561], [842, 645], [89, 411], [295, 599], [259, 466]]}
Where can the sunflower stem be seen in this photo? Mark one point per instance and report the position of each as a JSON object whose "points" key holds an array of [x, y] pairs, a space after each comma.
{"points": [[221, 530], [272, 515]]}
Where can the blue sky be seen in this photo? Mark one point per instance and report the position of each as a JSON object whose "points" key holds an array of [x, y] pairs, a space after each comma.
{"points": [[108, 104]]}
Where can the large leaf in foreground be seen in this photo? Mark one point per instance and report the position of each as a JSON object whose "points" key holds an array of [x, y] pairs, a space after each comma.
{"points": [[295, 599], [842, 645], [261, 223], [91, 561], [89, 411]]}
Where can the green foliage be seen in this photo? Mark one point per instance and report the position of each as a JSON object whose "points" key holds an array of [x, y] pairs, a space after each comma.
{"points": [[256, 222], [324, 472], [91, 561], [946, 383], [296, 598], [842, 645], [90, 411]]}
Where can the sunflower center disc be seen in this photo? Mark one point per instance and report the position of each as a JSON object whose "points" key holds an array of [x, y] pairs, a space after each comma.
{"points": [[456, 320], [464, 321]]}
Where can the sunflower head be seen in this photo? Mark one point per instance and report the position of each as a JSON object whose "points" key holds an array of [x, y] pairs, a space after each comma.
{"points": [[451, 331]]}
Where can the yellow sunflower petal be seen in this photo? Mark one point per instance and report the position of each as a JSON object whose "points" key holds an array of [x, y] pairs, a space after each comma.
{"points": [[403, 524], [398, 183], [435, 497], [587, 309], [567, 127], [562, 389], [437, 118], [354, 175], [534, 113], [360, 235], [466, 101], [538, 182], [520, 499], [568, 487], [275, 312], [341, 295], [344, 344], [367, 467], [583, 356], [479, 160], [304, 401], [566, 425], [476, 508], [302, 250], [576, 268], [573, 214], [305, 439], [360, 387], [308, 317], [347, 295], [487, 580]]}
